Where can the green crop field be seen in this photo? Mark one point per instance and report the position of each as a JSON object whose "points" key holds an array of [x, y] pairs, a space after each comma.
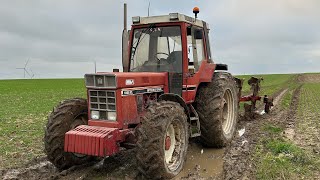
{"points": [[25, 105], [296, 158], [308, 114]]}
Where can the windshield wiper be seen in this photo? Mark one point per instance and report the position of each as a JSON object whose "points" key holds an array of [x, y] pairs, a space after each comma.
{"points": [[145, 31]]}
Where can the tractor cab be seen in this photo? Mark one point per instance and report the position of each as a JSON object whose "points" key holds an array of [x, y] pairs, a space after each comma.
{"points": [[169, 43], [174, 43]]}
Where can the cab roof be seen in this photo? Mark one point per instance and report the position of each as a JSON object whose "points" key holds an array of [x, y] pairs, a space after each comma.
{"points": [[172, 17]]}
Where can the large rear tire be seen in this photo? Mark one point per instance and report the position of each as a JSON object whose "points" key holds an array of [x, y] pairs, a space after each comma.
{"points": [[64, 117], [162, 141], [217, 106]]}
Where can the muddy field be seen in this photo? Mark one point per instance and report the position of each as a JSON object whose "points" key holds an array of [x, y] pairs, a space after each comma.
{"points": [[309, 78], [239, 161], [233, 162]]}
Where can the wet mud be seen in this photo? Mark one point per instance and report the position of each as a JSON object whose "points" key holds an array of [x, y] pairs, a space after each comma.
{"points": [[289, 132], [38, 168], [202, 163], [238, 162]]}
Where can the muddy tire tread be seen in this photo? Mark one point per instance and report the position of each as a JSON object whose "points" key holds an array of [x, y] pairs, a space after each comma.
{"points": [[149, 157], [209, 107], [58, 124]]}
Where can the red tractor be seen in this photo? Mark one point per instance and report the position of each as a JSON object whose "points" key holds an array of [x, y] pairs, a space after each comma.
{"points": [[170, 90]]}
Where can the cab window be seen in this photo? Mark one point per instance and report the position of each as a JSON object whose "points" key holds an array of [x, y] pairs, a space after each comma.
{"points": [[156, 49], [195, 47]]}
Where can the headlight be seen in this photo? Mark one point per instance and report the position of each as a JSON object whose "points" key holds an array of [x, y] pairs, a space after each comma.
{"points": [[95, 115], [112, 116]]}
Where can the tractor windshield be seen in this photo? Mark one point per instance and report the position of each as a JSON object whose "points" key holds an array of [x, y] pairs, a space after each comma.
{"points": [[156, 49]]}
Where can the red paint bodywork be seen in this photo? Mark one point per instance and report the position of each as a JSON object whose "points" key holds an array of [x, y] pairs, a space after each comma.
{"points": [[126, 105], [102, 137]]}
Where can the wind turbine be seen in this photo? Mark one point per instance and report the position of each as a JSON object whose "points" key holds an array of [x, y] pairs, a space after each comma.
{"points": [[32, 74], [25, 69]]}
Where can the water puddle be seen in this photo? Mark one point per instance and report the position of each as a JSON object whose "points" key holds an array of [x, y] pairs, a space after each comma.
{"points": [[205, 162]]}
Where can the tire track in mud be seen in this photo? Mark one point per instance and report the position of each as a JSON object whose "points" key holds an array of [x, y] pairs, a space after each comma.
{"points": [[290, 119], [238, 163]]}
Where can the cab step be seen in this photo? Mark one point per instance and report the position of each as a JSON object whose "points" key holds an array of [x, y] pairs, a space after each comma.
{"points": [[194, 123]]}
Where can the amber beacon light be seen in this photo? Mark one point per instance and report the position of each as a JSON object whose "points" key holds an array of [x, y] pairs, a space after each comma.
{"points": [[196, 10]]}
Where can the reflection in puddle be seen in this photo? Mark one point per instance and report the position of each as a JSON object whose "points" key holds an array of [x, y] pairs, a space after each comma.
{"points": [[205, 162]]}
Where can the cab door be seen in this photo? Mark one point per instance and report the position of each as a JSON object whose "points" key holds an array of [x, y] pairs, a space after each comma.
{"points": [[169, 50], [196, 55]]}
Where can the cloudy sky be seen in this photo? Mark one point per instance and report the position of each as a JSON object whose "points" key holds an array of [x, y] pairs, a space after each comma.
{"points": [[62, 38]]}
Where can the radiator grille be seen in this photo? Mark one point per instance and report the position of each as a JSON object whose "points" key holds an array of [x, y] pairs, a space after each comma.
{"points": [[102, 101]]}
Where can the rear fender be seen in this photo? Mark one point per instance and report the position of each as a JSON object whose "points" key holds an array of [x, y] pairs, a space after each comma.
{"points": [[221, 67]]}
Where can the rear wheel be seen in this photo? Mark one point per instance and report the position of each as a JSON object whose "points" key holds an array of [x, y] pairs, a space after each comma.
{"points": [[162, 141], [217, 106], [66, 116]]}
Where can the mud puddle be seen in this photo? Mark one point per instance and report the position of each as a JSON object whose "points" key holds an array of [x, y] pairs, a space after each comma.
{"points": [[202, 163]]}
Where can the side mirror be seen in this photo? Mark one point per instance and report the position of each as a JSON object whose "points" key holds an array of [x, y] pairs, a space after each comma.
{"points": [[198, 34], [189, 31]]}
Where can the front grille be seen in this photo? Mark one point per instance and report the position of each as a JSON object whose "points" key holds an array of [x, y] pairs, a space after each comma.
{"points": [[102, 101]]}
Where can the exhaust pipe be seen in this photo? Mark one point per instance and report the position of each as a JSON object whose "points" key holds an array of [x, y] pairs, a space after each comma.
{"points": [[125, 41], [125, 16]]}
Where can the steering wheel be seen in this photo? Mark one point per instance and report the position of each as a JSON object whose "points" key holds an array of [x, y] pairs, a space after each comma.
{"points": [[156, 55]]}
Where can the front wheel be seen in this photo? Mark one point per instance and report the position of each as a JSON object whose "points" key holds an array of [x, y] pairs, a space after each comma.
{"points": [[162, 141], [66, 116]]}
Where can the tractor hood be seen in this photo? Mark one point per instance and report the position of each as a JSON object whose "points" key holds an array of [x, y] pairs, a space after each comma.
{"points": [[119, 80]]}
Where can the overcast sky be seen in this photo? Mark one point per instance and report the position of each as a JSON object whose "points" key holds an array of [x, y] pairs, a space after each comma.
{"points": [[62, 38]]}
